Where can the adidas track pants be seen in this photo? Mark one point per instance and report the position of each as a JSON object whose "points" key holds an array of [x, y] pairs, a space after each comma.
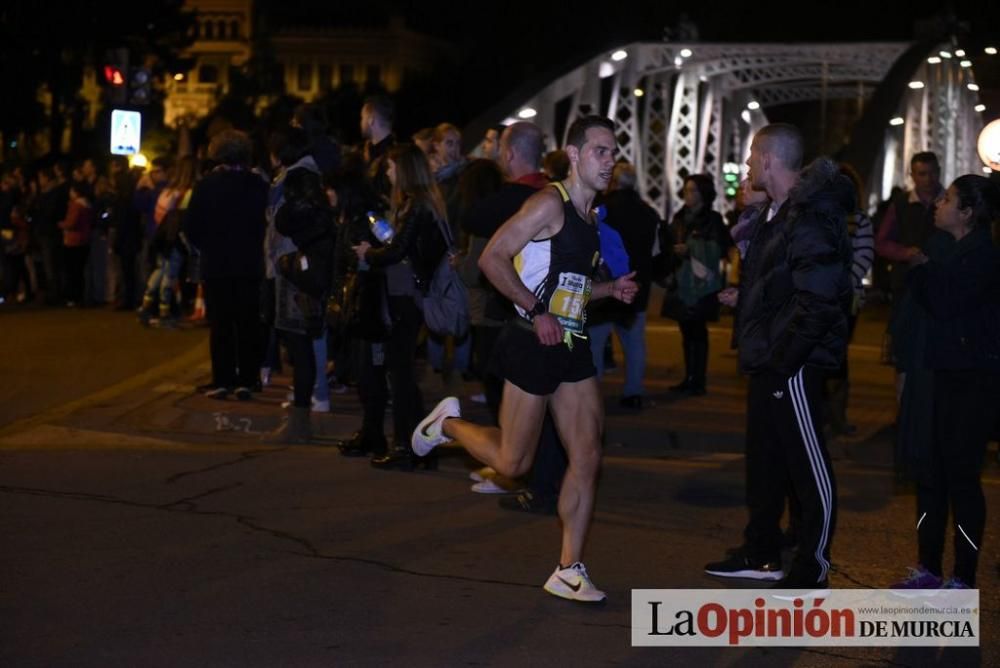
{"points": [[786, 453]]}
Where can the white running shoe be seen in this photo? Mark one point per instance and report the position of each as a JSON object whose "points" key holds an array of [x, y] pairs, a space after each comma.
{"points": [[482, 474], [317, 406], [574, 584], [490, 487], [428, 433]]}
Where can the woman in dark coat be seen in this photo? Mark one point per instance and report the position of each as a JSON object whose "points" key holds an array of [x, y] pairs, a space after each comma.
{"points": [[409, 261], [361, 310], [697, 239], [958, 292]]}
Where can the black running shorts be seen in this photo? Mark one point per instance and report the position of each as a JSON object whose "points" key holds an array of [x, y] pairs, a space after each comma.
{"points": [[520, 358]]}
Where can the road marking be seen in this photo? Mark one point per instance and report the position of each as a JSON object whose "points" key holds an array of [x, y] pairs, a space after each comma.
{"points": [[185, 361], [56, 437]]}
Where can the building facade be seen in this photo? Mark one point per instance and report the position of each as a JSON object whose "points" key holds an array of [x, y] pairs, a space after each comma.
{"points": [[224, 34], [312, 60]]}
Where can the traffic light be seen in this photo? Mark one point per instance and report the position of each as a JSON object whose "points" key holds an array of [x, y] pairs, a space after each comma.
{"points": [[115, 72], [731, 177], [140, 85], [113, 76]]}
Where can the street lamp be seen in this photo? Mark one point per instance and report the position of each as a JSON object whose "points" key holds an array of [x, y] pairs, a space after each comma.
{"points": [[989, 145]]}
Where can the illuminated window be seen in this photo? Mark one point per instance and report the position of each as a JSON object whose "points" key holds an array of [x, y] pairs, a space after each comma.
{"points": [[305, 76], [208, 74], [346, 74]]}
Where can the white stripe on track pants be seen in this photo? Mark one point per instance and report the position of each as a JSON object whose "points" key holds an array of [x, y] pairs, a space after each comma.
{"points": [[786, 454]]}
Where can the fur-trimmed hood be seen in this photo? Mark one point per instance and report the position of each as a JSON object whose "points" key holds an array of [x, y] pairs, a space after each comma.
{"points": [[823, 188]]}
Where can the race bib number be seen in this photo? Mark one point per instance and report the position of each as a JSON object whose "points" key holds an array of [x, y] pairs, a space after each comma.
{"points": [[569, 301]]}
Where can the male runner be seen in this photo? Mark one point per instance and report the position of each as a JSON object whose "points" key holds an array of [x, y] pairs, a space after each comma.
{"points": [[543, 260]]}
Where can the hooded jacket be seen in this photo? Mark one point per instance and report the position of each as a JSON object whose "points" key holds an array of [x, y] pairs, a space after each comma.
{"points": [[797, 279], [308, 222]]}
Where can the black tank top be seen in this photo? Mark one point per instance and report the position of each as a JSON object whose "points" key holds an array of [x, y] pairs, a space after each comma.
{"points": [[559, 270]]}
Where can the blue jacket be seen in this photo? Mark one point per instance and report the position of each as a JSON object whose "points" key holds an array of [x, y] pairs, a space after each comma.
{"points": [[613, 250]]}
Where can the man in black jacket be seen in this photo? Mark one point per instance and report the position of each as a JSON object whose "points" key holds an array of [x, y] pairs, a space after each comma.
{"points": [[225, 222], [790, 327]]}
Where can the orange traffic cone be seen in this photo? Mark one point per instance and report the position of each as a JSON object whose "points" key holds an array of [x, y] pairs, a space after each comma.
{"points": [[198, 315]]}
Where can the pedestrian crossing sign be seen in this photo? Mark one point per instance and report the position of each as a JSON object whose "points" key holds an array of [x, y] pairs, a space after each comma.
{"points": [[125, 131]]}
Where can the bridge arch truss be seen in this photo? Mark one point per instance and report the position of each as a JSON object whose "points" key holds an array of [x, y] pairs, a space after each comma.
{"points": [[681, 109]]}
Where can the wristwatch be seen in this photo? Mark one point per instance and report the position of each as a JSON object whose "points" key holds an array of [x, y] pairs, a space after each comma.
{"points": [[538, 309]]}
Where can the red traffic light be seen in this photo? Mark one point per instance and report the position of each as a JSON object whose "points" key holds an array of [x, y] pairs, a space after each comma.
{"points": [[113, 75]]}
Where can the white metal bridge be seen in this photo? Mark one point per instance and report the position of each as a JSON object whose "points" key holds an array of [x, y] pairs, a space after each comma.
{"points": [[691, 108]]}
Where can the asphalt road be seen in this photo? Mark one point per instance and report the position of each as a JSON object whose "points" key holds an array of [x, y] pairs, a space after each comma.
{"points": [[143, 525]]}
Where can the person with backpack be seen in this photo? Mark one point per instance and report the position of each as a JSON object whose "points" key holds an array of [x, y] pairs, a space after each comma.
{"points": [[409, 260], [167, 248], [305, 273]]}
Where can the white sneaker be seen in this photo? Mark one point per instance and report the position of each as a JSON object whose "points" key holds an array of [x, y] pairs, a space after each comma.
{"points": [[482, 474], [490, 487], [574, 584], [317, 406], [428, 433]]}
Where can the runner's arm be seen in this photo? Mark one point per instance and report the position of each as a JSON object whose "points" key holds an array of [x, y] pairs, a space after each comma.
{"points": [[535, 219], [622, 288]]}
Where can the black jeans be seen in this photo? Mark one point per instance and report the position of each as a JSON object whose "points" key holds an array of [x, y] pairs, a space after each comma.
{"points": [[232, 306], [965, 407], [300, 347], [51, 252], [400, 353], [76, 263], [130, 278], [374, 393], [694, 340], [17, 273]]}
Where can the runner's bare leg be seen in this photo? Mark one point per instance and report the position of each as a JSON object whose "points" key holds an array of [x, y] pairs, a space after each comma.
{"points": [[578, 414], [510, 449]]}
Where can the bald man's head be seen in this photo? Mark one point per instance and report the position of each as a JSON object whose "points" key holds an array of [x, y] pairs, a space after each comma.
{"points": [[522, 143], [784, 142]]}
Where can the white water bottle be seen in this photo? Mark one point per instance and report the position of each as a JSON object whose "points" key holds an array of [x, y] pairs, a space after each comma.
{"points": [[380, 228]]}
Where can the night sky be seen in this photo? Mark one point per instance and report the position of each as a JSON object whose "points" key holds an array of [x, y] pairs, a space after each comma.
{"points": [[517, 41]]}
